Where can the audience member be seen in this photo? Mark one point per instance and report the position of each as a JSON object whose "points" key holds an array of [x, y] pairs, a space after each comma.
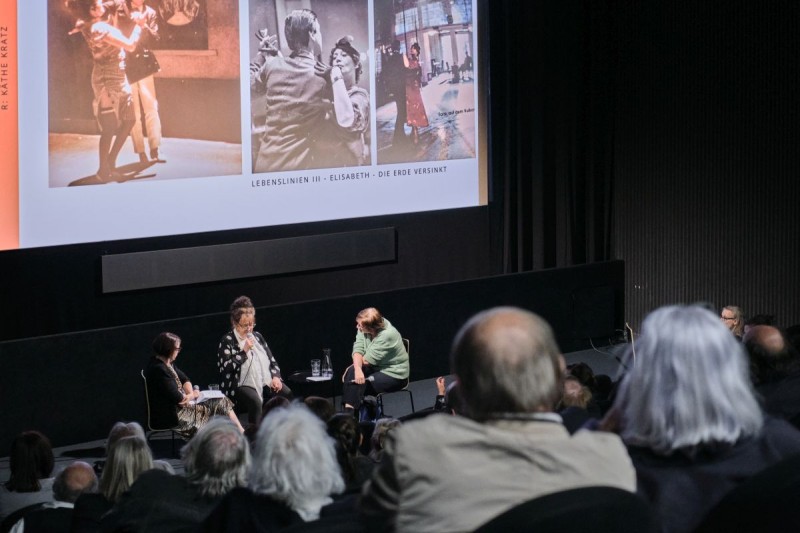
{"points": [[293, 474], [31, 463], [322, 407], [216, 461], [119, 430], [454, 473], [90, 507], [689, 416], [380, 434], [56, 516], [775, 371], [759, 319], [733, 318], [356, 468]]}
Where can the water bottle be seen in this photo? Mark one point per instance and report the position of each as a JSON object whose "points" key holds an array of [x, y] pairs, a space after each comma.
{"points": [[327, 368]]}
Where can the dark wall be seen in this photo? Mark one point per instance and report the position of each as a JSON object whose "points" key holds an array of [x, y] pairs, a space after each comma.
{"points": [[75, 386], [63, 283], [706, 154]]}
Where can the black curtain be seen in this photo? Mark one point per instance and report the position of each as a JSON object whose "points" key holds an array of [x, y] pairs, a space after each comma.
{"points": [[553, 71]]}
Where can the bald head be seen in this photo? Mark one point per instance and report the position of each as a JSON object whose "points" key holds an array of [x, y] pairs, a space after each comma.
{"points": [[769, 338], [73, 481], [507, 361]]}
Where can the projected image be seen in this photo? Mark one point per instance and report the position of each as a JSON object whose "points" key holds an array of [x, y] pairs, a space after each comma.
{"points": [[120, 112], [310, 84], [425, 84]]}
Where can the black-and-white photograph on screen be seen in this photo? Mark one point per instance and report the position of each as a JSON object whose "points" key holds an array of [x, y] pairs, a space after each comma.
{"points": [[309, 84], [124, 106], [425, 87]]}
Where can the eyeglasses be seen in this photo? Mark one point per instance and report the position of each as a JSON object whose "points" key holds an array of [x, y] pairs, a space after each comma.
{"points": [[246, 326], [728, 317], [179, 348]]}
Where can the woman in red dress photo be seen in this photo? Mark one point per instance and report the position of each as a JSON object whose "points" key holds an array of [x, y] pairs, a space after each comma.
{"points": [[416, 116]]}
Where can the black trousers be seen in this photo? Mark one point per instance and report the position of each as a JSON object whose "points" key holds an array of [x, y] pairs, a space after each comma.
{"points": [[353, 394], [247, 399]]}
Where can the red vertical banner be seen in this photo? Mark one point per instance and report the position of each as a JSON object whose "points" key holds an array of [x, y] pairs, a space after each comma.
{"points": [[9, 116]]}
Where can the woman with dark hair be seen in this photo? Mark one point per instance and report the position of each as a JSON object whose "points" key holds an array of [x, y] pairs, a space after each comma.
{"points": [[31, 463], [349, 134], [687, 412], [356, 468], [249, 373], [112, 93], [172, 396], [415, 108]]}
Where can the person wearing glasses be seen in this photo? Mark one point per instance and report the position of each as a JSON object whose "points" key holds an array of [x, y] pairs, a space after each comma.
{"points": [[733, 318], [249, 373], [171, 394], [347, 128]]}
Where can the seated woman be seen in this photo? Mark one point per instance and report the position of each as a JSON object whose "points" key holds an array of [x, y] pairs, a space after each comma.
{"points": [[172, 398], [249, 373], [688, 415], [378, 354], [31, 463]]}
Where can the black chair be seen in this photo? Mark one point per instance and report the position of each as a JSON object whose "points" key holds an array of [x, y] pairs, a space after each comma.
{"points": [[13, 518], [583, 510], [767, 501], [173, 431], [405, 389]]}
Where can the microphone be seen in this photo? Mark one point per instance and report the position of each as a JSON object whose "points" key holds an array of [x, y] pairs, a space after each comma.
{"points": [[368, 378]]}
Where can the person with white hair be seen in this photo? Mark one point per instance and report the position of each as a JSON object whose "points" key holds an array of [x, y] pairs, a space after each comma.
{"points": [[687, 412], [215, 460], [454, 473], [293, 475]]}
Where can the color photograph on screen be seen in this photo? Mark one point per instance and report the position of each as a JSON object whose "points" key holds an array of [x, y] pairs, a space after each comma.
{"points": [[134, 93], [309, 85], [425, 80]]}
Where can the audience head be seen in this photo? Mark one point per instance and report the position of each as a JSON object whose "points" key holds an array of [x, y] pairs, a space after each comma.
{"points": [[322, 407], [383, 426], [124, 429], [689, 388], [344, 430], [242, 307], [127, 458], [772, 358], [576, 394], [294, 461], [759, 319], [74, 480], [733, 318], [507, 361], [31, 459], [583, 373], [276, 402], [217, 458], [452, 397], [301, 29], [369, 321]]}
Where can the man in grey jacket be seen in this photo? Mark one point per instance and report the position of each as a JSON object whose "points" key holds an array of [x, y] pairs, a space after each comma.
{"points": [[454, 473]]}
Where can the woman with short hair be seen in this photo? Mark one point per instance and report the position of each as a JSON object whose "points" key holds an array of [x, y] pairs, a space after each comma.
{"points": [[687, 412], [249, 373], [172, 396], [31, 463]]}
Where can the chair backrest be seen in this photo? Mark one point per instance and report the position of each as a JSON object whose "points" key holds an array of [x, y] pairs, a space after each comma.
{"points": [[583, 510], [765, 502], [13, 518], [147, 402]]}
